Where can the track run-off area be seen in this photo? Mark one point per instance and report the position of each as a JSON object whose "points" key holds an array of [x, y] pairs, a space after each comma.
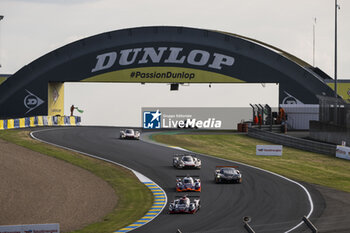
{"points": [[274, 203]]}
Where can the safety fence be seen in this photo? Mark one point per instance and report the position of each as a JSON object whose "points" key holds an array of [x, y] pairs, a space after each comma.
{"points": [[299, 143], [35, 121]]}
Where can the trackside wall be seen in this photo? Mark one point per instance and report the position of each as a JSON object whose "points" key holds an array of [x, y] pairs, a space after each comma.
{"points": [[27, 122]]}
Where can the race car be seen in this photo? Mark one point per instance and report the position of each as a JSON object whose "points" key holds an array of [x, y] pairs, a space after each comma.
{"points": [[227, 174], [187, 183], [183, 204], [186, 161], [130, 134]]}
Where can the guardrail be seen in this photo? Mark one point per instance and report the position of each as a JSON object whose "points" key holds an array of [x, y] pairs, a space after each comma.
{"points": [[34, 121], [299, 143]]}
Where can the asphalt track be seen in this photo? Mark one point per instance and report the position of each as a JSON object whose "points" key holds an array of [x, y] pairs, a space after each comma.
{"points": [[275, 204]]}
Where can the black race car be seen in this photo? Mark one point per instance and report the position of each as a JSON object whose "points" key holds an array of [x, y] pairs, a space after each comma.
{"points": [[225, 174]]}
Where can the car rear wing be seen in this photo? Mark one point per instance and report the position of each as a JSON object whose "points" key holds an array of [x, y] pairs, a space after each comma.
{"points": [[189, 196], [183, 154], [226, 166], [182, 176]]}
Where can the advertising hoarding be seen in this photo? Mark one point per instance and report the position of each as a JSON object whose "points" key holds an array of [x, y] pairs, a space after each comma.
{"points": [[35, 228], [269, 150], [343, 152]]}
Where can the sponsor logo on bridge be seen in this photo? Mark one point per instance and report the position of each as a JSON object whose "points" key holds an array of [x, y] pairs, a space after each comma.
{"points": [[32, 101], [162, 55]]}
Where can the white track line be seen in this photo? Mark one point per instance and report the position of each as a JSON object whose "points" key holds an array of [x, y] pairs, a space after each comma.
{"points": [[154, 187]]}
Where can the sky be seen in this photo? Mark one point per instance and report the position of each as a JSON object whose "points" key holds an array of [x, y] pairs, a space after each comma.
{"points": [[32, 28]]}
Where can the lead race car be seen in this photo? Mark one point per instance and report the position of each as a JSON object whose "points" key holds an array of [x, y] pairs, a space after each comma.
{"points": [[183, 204], [129, 134], [186, 161], [188, 184], [226, 174]]}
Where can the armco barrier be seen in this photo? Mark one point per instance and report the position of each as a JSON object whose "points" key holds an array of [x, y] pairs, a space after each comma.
{"points": [[10, 123], [39, 121], [26, 122], [299, 143], [22, 122], [31, 121]]}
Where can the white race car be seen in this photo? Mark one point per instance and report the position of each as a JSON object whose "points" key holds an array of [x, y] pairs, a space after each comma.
{"points": [[184, 205], [186, 161], [130, 134]]}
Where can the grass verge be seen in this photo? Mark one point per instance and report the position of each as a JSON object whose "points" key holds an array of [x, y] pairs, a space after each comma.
{"points": [[295, 164], [134, 198]]}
